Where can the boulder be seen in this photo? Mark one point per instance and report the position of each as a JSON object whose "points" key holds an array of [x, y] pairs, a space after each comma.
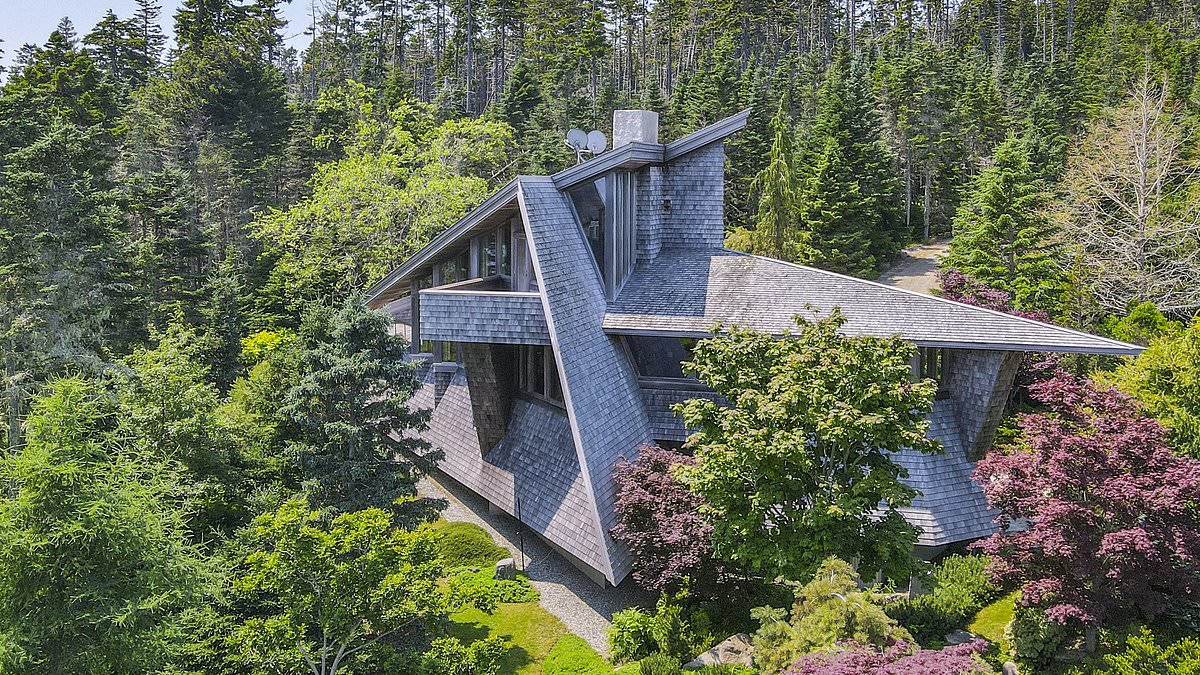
{"points": [[1009, 668], [506, 569], [734, 650], [961, 637]]}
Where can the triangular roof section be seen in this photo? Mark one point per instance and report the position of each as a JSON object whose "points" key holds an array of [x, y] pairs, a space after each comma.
{"points": [[688, 292], [592, 368]]}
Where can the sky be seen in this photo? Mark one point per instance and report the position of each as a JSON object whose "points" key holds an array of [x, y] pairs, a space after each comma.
{"points": [[32, 21]]}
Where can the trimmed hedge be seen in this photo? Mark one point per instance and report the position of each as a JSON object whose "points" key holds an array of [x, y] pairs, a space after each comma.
{"points": [[468, 545]]}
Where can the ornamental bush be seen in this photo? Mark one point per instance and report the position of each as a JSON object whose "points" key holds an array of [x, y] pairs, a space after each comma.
{"points": [[900, 658], [962, 586], [467, 545], [1142, 654], [661, 663], [673, 629], [1111, 514], [482, 582], [572, 655], [659, 520], [828, 610]]}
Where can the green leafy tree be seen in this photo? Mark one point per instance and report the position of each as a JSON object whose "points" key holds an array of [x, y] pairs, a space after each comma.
{"points": [[1004, 236], [338, 590], [1165, 379], [94, 557], [350, 408], [797, 468]]}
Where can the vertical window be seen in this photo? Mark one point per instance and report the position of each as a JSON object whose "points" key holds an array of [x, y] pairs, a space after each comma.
{"points": [[590, 202], [449, 351], [931, 365], [537, 374], [503, 251]]}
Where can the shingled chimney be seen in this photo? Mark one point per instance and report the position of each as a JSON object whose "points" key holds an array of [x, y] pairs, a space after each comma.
{"points": [[634, 126]]}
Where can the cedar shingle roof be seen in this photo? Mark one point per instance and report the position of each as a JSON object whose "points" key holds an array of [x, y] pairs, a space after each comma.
{"points": [[688, 291]]}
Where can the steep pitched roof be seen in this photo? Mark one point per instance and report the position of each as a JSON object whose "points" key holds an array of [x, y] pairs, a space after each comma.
{"points": [[600, 389], [687, 292]]}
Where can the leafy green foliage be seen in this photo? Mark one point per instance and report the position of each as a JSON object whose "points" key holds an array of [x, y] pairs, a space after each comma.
{"points": [[961, 587], [1143, 654], [482, 583], [1035, 640], [805, 447], [661, 663], [94, 553], [337, 589], [1165, 379], [467, 545], [674, 628], [828, 609]]}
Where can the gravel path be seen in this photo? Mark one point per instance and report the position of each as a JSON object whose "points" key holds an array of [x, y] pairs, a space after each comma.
{"points": [[917, 268], [565, 592]]}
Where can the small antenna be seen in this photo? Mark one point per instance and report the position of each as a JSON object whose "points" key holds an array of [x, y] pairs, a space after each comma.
{"points": [[592, 143]]}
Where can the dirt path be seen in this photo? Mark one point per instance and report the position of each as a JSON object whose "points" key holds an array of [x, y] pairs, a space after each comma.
{"points": [[917, 268]]}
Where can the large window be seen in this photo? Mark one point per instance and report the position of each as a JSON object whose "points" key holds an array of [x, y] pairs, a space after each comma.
{"points": [[931, 365], [660, 357], [607, 212], [537, 374]]}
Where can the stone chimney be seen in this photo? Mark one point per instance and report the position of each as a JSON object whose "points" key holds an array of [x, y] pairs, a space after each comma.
{"points": [[634, 126]]}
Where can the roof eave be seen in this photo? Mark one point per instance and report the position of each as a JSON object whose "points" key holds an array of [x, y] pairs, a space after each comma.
{"points": [[948, 344], [491, 205], [717, 131]]}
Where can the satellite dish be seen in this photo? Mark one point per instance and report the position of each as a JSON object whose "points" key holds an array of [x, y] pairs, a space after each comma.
{"points": [[577, 139], [596, 142]]}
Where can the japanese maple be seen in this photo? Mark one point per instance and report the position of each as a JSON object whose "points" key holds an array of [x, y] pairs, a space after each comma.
{"points": [[1108, 515]]}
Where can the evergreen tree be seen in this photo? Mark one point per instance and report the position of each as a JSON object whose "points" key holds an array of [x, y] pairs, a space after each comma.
{"points": [[1003, 235], [224, 319], [94, 559], [847, 200], [774, 230], [351, 409], [521, 97]]}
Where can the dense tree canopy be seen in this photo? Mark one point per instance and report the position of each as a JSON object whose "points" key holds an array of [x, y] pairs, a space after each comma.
{"points": [[798, 467]]}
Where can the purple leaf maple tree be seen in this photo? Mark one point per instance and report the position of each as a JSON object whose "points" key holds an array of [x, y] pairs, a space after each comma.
{"points": [[659, 521], [1111, 515]]}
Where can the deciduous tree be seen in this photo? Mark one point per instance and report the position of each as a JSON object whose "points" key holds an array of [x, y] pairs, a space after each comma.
{"points": [[797, 467], [1111, 522]]}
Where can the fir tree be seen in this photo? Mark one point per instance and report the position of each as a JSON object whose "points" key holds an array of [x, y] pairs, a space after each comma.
{"points": [[521, 97], [350, 407], [1003, 235], [847, 201], [774, 225]]}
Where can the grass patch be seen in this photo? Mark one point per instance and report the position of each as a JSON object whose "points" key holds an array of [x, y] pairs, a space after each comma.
{"points": [[991, 621], [530, 631]]}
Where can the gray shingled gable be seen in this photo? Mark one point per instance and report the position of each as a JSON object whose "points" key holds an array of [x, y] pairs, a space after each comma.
{"points": [[687, 292], [601, 391]]}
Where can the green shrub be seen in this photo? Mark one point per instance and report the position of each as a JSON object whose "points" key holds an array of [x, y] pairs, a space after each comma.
{"points": [[468, 545], [661, 663], [1035, 640], [961, 587], [1142, 654], [572, 655], [674, 629], [483, 583]]}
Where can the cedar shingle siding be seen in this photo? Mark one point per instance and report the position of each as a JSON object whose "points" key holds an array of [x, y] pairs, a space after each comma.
{"points": [[558, 461]]}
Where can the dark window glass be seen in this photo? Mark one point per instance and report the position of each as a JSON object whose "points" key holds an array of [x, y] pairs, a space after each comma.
{"points": [[554, 390], [537, 371], [589, 201], [503, 255], [660, 356]]}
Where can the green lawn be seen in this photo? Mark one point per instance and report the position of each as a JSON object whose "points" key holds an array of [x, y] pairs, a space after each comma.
{"points": [[991, 621], [530, 630]]}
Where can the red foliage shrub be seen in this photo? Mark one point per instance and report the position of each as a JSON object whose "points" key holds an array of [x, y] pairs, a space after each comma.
{"points": [[899, 659]]}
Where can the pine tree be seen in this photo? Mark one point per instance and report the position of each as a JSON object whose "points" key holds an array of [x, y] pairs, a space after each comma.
{"points": [[521, 97], [1003, 235]]}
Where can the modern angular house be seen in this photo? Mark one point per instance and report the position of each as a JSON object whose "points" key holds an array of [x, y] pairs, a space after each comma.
{"points": [[550, 322]]}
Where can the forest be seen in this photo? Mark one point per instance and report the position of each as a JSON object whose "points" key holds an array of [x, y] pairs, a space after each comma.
{"points": [[201, 417]]}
